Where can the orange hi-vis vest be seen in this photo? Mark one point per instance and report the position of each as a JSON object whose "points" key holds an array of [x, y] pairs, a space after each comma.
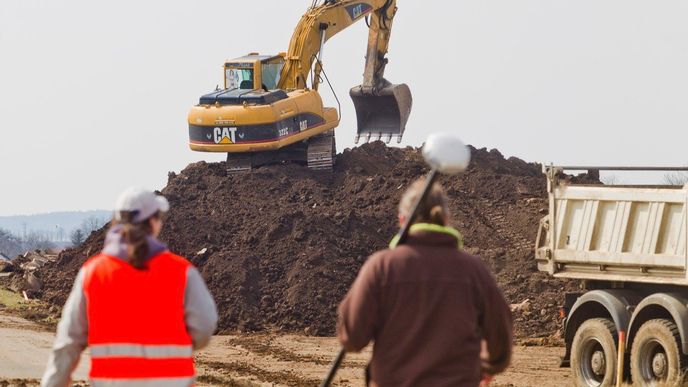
{"points": [[136, 328]]}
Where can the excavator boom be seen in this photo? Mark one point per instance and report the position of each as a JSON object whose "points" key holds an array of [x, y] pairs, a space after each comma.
{"points": [[382, 108]]}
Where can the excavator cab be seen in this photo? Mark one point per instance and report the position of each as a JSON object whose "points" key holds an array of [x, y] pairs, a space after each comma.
{"points": [[253, 72], [382, 113]]}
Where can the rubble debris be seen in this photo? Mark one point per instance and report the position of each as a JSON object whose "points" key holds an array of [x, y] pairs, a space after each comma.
{"points": [[521, 307], [24, 270]]}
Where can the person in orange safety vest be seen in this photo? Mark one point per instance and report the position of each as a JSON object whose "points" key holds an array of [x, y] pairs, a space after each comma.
{"points": [[141, 309]]}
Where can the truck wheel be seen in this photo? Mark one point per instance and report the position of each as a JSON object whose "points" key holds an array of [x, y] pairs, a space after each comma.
{"points": [[656, 354], [593, 353]]}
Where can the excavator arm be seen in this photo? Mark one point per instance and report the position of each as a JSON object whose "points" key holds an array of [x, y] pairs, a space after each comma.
{"points": [[382, 108], [320, 23], [378, 43]]}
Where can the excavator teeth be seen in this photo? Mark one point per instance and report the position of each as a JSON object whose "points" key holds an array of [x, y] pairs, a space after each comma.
{"points": [[358, 137]]}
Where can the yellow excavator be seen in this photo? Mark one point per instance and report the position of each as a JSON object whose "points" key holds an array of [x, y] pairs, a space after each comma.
{"points": [[270, 110]]}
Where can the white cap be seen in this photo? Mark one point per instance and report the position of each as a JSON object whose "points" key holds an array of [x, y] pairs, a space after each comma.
{"points": [[146, 203]]}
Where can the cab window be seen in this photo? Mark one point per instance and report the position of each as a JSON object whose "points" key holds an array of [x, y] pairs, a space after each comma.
{"points": [[236, 78], [271, 72]]}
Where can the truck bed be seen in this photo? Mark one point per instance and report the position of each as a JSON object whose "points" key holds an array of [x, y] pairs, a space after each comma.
{"points": [[615, 233]]}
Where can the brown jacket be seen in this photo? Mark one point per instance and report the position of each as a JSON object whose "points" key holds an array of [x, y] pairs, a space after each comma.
{"points": [[427, 305]]}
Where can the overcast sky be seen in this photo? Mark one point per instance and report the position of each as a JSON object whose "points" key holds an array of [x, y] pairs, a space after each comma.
{"points": [[94, 95]]}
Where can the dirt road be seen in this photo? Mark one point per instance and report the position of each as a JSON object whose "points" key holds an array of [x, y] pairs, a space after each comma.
{"points": [[257, 360], [25, 349]]}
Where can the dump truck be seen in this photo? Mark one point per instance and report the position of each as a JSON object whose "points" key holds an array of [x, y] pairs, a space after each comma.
{"points": [[627, 246]]}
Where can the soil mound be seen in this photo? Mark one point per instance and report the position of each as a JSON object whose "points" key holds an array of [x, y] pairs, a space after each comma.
{"points": [[280, 246]]}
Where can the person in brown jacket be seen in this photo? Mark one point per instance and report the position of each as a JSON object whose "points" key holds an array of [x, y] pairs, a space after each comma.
{"points": [[428, 306]]}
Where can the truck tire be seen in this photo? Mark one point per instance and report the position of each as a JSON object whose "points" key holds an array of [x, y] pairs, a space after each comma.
{"points": [[656, 354], [593, 353]]}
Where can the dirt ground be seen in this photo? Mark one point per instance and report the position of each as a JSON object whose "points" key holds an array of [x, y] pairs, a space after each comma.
{"points": [[279, 247], [292, 360], [25, 349], [256, 360]]}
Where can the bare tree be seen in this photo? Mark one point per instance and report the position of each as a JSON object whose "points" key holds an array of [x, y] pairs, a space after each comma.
{"points": [[91, 224], [610, 179], [37, 240], [77, 237], [676, 178], [10, 244]]}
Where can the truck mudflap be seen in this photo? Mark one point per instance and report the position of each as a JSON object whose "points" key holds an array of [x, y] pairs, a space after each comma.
{"points": [[382, 114]]}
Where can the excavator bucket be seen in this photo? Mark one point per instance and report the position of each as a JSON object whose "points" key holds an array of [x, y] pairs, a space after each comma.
{"points": [[382, 115]]}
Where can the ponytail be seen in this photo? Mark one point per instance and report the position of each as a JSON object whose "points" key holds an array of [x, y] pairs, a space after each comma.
{"points": [[135, 236], [437, 215], [434, 209]]}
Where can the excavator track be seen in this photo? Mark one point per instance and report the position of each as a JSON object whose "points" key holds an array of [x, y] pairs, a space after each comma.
{"points": [[318, 153], [321, 151], [239, 162]]}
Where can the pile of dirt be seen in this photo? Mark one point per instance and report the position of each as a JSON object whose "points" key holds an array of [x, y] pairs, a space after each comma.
{"points": [[280, 246]]}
